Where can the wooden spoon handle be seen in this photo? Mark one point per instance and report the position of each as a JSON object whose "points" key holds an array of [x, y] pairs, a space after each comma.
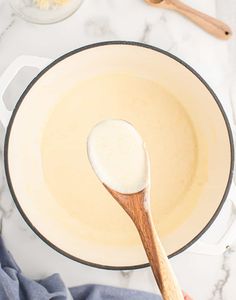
{"points": [[137, 207], [159, 262], [209, 24]]}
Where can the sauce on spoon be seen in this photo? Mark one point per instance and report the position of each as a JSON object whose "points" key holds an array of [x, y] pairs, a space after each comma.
{"points": [[118, 156]]}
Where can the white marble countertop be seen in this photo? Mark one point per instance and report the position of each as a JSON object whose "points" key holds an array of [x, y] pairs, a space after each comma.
{"points": [[205, 277]]}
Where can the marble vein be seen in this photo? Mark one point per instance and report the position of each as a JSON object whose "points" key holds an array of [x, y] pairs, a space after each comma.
{"points": [[8, 27], [146, 32], [126, 274], [218, 290], [7, 206], [98, 27]]}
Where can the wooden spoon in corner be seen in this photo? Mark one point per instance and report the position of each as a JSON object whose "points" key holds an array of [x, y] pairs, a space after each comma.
{"points": [[209, 24], [137, 206]]}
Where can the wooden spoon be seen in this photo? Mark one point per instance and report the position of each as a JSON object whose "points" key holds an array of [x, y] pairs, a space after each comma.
{"points": [[209, 24], [119, 158], [137, 206]]}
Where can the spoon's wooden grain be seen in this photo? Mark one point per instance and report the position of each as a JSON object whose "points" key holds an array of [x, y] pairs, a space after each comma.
{"points": [[209, 24], [137, 207]]}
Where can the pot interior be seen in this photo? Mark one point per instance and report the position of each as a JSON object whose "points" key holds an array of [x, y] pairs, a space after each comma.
{"points": [[178, 118]]}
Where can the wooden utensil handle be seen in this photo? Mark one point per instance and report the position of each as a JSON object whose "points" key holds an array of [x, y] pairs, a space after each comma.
{"points": [[209, 24], [160, 265], [137, 207]]}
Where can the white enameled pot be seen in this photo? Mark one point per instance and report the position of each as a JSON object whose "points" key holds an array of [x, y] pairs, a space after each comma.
{"points": [[23, 166]]}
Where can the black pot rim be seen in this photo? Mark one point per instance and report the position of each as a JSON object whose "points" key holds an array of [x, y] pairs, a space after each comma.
{"points": [[6, 144]]}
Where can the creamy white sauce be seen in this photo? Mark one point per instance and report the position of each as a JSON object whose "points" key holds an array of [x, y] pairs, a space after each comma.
{"points": [[118, 156]]}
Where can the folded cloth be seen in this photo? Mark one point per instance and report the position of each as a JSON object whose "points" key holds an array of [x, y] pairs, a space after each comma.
{"points": [[102, 292], [15, 286]]}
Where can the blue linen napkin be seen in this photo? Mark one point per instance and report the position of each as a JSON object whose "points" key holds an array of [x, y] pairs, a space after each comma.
{"points": [[15, 286]]}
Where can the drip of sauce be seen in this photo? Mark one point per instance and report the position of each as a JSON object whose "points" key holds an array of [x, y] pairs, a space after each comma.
{"points": [[118, 156]]}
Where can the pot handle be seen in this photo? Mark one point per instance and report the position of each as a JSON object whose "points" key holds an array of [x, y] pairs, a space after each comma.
{"points": [[9, 74], [227, 239]]}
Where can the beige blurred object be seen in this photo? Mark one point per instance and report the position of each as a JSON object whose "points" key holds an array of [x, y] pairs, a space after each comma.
{"points": [[213, 26], [46, 4], [45, 11]]}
